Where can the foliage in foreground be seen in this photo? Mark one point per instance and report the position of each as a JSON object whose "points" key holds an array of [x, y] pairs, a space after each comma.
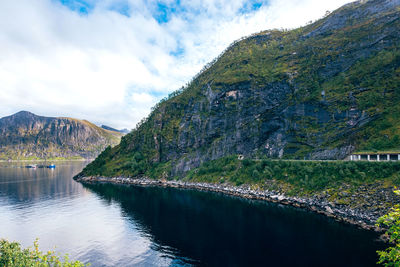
{"points": [[391, 256], [12, 255]]}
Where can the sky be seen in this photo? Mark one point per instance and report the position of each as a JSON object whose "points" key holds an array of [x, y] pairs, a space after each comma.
{"points": [[110, 61]]}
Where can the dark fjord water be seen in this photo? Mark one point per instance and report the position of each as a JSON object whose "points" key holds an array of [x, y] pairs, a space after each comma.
{"points": [[111, 225]]}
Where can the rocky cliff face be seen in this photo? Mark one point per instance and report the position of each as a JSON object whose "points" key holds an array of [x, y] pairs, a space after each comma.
{"points": [[317, 92], [25, 135]]}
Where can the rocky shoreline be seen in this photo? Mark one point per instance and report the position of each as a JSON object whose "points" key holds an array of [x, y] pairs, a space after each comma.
{"points": [[361, 218]]}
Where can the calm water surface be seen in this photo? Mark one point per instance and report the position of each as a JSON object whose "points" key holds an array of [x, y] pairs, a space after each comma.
{"points": [[110, 225]]}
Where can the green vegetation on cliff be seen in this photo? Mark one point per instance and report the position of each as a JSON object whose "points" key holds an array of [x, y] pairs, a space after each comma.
{"points": [[317, 92], [307, 176]]}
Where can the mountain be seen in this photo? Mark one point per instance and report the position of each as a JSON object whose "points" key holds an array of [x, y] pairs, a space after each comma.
{"points": [[320, 91], [124, 131], [25, 135]]}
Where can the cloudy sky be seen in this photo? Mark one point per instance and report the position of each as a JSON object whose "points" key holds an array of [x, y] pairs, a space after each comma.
{"points": [[110, 61]]}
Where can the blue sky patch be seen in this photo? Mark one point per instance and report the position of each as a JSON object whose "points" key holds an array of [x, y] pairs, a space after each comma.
{"points": [[121, 7], [80, 6], [252, 6], [179, 51], [163, 12]]}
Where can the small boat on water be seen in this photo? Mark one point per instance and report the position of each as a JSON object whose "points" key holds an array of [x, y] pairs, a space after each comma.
{"points": [[34, 166], [31, 166]]}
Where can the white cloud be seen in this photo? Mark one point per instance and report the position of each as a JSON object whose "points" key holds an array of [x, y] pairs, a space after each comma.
{"points": [[109, 68]]}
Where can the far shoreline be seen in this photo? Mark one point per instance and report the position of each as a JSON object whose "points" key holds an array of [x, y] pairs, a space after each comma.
{"points": [[42, 160]]}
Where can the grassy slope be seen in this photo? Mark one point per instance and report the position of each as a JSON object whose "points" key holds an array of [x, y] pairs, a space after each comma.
{"points": [[305, 177], [289, 55]]}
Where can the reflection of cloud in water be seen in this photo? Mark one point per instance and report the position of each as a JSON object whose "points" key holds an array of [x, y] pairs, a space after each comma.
{"points": [[141, 208], [59, 211]]}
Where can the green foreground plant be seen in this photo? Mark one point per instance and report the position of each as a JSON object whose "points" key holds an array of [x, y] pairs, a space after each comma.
{"points": [[391, 256], [12, 255]]}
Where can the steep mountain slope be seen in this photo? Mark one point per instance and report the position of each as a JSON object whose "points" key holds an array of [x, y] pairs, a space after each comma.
{"points": [[25, 135], [317, 92]]}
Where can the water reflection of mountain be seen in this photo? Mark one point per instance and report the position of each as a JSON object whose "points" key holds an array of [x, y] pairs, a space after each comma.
{"points": [[19, 184], [224, 231]]}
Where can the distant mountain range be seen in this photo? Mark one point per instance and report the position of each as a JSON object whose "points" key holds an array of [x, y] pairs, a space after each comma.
{"points": [[124, 131], [25, 135]]}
